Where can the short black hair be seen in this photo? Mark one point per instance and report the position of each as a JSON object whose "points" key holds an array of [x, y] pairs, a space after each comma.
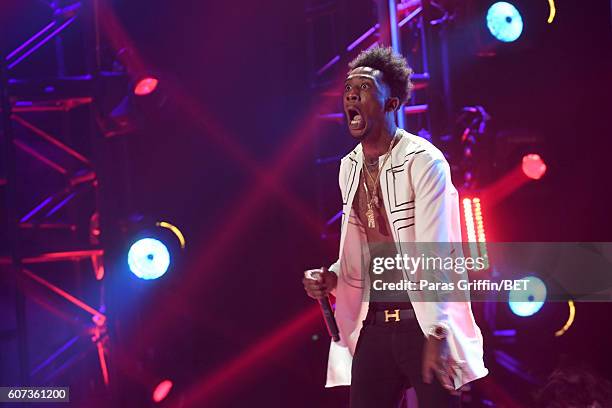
{"points": [[574, 387], [395, 69]]}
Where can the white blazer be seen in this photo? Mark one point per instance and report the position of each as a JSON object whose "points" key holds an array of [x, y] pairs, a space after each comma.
{"points": [[422, 206]]}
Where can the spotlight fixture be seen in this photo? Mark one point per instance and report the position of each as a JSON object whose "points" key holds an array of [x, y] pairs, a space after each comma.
{"points": [[474, 228], [152, 247], [145, 85], [504, 22], [142, 100], [148, 258], [528, 302], [161, 390], [533, 166]]}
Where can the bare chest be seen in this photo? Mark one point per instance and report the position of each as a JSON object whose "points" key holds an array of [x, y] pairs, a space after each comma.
{"points": [[370, 208]]}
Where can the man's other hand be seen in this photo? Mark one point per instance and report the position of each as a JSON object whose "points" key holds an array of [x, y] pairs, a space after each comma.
{"points": [[437, 362]]}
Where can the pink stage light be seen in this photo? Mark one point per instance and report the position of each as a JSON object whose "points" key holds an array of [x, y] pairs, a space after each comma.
{"points": [[533, 166], [468, 216], [479, 222], [145, 86], [162, 390], [474, 227]]}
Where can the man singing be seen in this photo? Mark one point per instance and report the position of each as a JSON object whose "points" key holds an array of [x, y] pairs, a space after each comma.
{"points": [[396, 188]]}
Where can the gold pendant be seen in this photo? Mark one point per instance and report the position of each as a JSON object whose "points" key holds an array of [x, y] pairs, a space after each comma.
{"points": [[370, 215], [376, 202]]}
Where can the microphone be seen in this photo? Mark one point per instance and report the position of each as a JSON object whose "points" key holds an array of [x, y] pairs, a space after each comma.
{"points": [[326, 308]]}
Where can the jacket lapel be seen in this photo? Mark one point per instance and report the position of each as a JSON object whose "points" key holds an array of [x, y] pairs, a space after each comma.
{"points": [[351, 175]]}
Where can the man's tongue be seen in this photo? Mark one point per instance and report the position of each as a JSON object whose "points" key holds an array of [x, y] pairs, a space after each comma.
{"points": [[357, 122]]}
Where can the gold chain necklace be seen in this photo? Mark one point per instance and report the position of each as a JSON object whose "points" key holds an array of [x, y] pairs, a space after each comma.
{"points": [[372, 199]]}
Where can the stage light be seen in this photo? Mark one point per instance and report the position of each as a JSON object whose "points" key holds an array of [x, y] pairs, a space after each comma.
{"points": [[533, 166], [148, 258], [528, 302], [468, 216], [145, 86], [152, 247], [480, 230], [145, 97], [474, 227], [479, 220], [552, 12], [162, 390], [175, 230], [504, 22], [570, 319]]}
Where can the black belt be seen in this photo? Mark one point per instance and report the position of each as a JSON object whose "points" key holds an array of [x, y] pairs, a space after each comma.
{"points": [[391, 315]]}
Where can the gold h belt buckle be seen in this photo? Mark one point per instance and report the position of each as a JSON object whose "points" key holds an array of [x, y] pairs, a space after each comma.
{"points": [[395, 316]]}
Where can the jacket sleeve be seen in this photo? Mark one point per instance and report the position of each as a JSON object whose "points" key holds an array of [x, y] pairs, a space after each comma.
{"points": [[436, 202], [437, 224], [335, 267]]}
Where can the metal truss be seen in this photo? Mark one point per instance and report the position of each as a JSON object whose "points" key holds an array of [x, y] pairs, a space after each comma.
{"points": [[56, 96]]}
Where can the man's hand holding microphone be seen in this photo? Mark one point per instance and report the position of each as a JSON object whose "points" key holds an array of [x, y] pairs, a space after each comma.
{"points": [[318, 284]]}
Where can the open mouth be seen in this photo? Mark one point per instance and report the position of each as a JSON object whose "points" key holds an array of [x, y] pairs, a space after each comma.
{"points": [[355, 119]]}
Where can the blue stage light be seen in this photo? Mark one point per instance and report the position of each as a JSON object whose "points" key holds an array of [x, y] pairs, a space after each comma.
{"points": [[148, 258], [528, 302], [504, 21]]}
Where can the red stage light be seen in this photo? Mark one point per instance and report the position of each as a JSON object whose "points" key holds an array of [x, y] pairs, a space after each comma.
{"points": [[468, 216], [145, 86], [162, 390], [474, 227], [533, 166]]}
